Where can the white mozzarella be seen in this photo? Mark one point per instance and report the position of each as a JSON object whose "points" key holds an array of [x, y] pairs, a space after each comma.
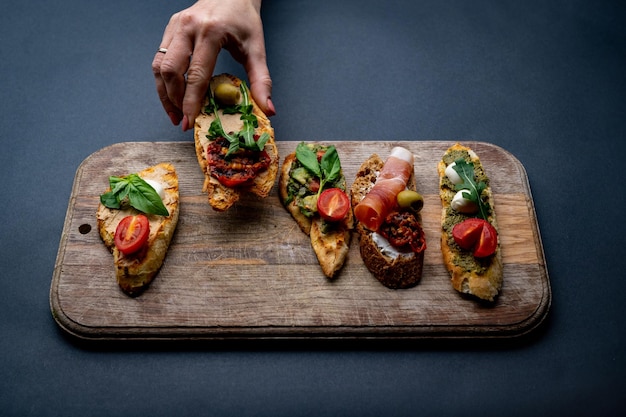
{"points": [[452, 175], [462, 204], [158, 187]]}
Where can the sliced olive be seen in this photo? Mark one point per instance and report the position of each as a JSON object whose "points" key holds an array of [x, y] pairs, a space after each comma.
{"points": [[410, 199], [227, 94]]}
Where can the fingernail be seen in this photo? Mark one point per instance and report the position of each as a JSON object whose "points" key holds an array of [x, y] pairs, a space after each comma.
{"points": [[174, 118], [185, 123], [271, 111]]}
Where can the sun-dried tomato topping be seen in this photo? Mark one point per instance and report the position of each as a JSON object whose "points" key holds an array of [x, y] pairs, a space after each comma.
{"points": [[240, 168], [403, 231]]}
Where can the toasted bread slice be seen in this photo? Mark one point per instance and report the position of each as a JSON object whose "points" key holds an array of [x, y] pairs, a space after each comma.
{"points": [[482, 277], [220, 197], [394, 269], [136, 271], [303, 221], [330, 240]]}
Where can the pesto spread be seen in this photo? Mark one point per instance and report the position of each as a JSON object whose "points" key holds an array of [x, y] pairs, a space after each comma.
{"points": [[463, 258]]}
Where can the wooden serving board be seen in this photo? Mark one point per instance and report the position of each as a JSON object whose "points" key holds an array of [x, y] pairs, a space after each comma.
{"points": [[251, 273]]}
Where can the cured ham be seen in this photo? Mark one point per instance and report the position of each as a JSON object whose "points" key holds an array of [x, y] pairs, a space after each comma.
{"points": [[381, 199]]}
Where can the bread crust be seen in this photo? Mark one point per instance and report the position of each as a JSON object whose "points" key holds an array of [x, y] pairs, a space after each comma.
{"points": [[220, 197], [330, 242], [486, 283], [136, 271], [398, 272]]}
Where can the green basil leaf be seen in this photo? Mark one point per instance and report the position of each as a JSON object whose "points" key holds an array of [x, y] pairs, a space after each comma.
{"points": [[113, 198], [144, 198], [308, 159], [331, 166], [110, 200]]}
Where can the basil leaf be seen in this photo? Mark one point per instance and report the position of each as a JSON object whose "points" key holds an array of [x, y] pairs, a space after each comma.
{"points": [[143, 197], [110, 200], [308, 159], [331, 166], [113, 199]]}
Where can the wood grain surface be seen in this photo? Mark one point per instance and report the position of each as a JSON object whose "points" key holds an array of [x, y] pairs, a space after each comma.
{"points": [[251, 273]]}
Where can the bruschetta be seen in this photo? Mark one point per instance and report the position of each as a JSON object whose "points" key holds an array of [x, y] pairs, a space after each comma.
{"points": [[234, 144], [137, 217], [387, 212], [469, 231], [312, 188]]}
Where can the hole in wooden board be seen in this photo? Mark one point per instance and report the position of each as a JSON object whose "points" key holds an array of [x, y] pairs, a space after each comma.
{"points": [[83, 229]]}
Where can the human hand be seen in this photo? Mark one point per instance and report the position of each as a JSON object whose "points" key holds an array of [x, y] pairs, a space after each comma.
{"points": [[193, 38]]}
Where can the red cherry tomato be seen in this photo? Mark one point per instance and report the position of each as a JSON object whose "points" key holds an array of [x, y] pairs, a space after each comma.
{"points": [[476, 235], [236, 180], [333, 204], [132, 233], [488, 242], [467, 233]]}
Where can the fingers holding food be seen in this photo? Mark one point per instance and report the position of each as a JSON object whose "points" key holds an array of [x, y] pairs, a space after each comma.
{"points": [[234, 144]]}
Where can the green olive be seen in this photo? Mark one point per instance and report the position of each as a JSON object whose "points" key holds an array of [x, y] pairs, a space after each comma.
{"points": [[227, 94], [410, 199]]}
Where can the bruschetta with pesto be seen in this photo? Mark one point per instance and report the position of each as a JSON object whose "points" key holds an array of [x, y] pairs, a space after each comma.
{"points": [[469, 231]]}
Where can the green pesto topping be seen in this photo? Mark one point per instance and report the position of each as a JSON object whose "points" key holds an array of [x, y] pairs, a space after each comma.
{"points": [[464, 258]]}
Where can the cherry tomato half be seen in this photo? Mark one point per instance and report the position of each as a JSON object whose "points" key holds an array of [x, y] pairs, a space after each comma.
{"points": [[132, 233], [236, 180], [476, 235], [333, 204]]}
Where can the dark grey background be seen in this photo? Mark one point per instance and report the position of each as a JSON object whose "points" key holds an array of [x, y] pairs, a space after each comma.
{"points": [[545, 80]]}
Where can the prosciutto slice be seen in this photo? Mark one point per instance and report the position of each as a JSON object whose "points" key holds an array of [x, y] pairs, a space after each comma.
{"points": [[381, 199]]}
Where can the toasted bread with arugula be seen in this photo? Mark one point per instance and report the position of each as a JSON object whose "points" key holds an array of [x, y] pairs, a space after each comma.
{"points": [[234, 144]]}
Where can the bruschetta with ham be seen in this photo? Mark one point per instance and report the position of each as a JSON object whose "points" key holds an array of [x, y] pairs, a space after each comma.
{"points": [[387, 212]]}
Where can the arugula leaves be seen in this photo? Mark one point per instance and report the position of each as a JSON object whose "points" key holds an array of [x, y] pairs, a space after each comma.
{"points": [[473, 189], [245, 137], [138, 192], [327, 169]]}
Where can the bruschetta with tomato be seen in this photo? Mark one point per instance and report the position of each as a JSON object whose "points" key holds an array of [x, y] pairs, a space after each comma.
{"points": [[234, 144], [469, 231], [137, 217], [388, 221], [312, 188]]}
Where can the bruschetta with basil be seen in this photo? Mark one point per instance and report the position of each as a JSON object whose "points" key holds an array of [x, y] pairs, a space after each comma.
{"points": [[469, 231], [234, 144], [312, 188], [137, 217]]}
